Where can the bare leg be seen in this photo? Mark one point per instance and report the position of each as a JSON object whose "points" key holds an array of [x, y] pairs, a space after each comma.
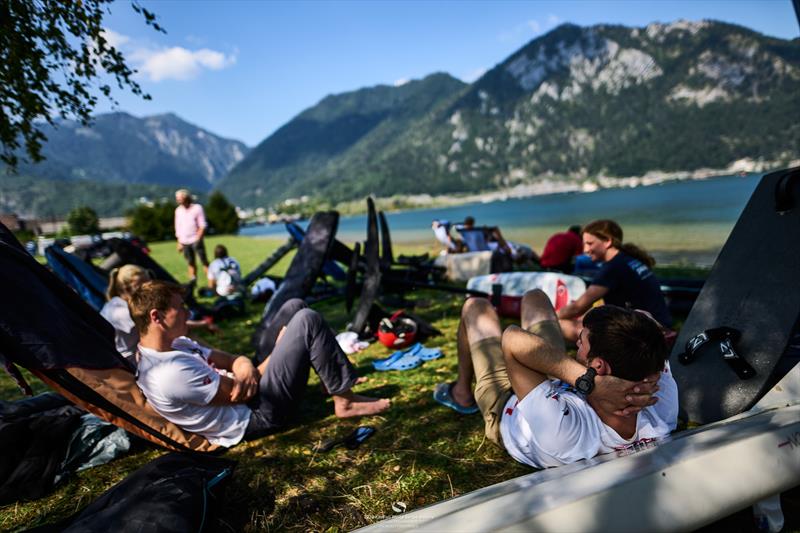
{"points": [[348, 404], [192, 271], [571, 327], [478, 321], [536, 307], [501, 241]]}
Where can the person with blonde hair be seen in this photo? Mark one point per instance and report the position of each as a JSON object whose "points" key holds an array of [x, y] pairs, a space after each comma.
{"points": [[123, 282], [626, 279]]}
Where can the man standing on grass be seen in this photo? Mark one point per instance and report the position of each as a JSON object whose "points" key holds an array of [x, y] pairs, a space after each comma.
{"points": [[190, 227], [224, 397], [548, 409]]}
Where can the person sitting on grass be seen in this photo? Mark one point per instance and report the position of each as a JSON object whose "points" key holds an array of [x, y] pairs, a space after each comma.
{"points": [[224, 397], [560, 249], [617, 393], [224, 273], [441, 230], [484, 238], [626, 279], [122, 283]]}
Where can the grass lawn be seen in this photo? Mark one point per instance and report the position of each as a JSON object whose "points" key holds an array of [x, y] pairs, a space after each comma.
{"points": [[421, 454]]}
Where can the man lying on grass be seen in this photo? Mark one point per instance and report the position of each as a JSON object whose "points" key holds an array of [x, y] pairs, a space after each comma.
{"points": [[618, 392], [224, 397]]}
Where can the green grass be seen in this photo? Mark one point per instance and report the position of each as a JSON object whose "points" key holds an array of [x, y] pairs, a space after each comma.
{"points": [[421, 453]]}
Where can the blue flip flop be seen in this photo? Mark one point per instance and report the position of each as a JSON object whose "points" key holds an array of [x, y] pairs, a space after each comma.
{"points": [[442, 395], [399, 360], [428, 354], [383, 364]]}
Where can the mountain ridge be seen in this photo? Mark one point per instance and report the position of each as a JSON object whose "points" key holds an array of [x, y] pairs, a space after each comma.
{"points": [[578, 103], [119, 147]]}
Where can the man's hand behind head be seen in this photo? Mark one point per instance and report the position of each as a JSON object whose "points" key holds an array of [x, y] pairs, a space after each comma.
{"points": [[622, 397]]}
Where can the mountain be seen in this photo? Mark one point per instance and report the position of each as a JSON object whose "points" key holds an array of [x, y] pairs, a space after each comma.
{"points": [[120, 148], [579, 104], [340, 148]]}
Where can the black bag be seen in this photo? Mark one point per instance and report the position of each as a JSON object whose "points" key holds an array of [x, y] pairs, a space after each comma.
{"points": [[174, 493]]}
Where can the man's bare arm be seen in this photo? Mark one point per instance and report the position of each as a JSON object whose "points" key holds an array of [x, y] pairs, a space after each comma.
{"points": [[536, 354], [228, 389], [623, 397], [246, 376], [583, 303]]}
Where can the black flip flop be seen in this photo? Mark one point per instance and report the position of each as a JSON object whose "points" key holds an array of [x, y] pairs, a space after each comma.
{"points": [[351, 441]]}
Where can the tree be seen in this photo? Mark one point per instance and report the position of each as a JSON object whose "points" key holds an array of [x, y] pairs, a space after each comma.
{"points": [[153, 223], [83, 220], [221, 214], [52, 55]]}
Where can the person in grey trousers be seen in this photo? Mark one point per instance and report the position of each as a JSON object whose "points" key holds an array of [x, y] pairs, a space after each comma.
{"points": [[226, 398]]}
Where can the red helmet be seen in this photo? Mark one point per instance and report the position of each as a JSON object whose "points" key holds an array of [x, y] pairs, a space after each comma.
{"points": [[397, 331]]}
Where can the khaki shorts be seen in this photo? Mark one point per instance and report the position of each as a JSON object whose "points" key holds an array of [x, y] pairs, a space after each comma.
{"points": [[492, 385]]}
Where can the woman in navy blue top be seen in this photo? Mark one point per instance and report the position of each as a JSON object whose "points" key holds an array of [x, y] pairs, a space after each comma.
{"points": [[625, 279]]}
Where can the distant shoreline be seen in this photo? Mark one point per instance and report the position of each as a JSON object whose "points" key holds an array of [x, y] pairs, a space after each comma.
{"points": [[556, 185]]}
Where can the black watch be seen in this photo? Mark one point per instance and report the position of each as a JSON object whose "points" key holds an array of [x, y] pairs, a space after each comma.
{"points": [[585, 384]]}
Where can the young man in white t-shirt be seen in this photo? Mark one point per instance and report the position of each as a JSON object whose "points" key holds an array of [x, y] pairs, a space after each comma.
{"points": [[224, 397], [618, 394]]}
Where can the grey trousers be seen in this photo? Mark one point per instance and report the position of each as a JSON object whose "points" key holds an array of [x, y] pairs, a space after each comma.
{"points": [[307, 343]]}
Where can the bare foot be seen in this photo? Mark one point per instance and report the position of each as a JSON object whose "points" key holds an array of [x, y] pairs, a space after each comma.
{"points": [[462, 396], [349, 405]]}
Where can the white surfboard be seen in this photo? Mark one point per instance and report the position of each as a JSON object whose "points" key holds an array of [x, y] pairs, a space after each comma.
{"points": [[690, 480], [560, 288]]}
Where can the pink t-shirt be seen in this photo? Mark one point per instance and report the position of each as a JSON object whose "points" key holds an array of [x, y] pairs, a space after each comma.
{"points": [[187, 221]]}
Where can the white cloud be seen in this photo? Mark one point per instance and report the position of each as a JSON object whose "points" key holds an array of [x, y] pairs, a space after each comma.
{"points": [[401, 81], [474, 75], [526, 30], [179, 63], [115, 39], [552, 19]]}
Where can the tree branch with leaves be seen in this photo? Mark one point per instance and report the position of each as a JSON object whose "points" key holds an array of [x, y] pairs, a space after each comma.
{"points": [[53, 57]]}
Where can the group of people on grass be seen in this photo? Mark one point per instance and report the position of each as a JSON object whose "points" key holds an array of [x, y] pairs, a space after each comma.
{"points": [[474, 238], [543, 406]]}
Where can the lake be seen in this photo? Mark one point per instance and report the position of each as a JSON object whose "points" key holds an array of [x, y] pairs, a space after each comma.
{"points": [[678, 222]]}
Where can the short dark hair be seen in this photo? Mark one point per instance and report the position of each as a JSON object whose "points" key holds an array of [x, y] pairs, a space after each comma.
{"points": [[630, 341], [220, 252], [155, 294], [469, 221], [575, 229]]}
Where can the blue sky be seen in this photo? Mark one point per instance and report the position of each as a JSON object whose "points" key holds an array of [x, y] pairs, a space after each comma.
{"points": [[242, 69]]}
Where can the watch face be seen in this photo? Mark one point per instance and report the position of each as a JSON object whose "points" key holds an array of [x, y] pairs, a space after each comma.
{"points": [[585, 383]]}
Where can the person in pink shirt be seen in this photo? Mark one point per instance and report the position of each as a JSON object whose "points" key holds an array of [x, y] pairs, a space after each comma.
{"points": [[190, 226]]}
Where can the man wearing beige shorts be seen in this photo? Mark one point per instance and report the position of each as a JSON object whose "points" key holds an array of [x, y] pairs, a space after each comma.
{"points": [[547, 408]]}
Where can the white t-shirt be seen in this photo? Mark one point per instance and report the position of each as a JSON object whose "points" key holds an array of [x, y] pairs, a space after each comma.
{"points": [[180, 385], [554, 425], [126, 336], [227, 274]]}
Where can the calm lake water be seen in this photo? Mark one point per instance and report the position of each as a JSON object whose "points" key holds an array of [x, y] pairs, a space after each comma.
{"points": [[678, 222]]}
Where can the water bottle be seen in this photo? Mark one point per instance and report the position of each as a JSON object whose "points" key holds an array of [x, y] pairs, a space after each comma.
{"points": [[768, 514]]}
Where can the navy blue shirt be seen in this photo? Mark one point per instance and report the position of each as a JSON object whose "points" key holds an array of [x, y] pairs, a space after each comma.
{"points": [[631, 283]]}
